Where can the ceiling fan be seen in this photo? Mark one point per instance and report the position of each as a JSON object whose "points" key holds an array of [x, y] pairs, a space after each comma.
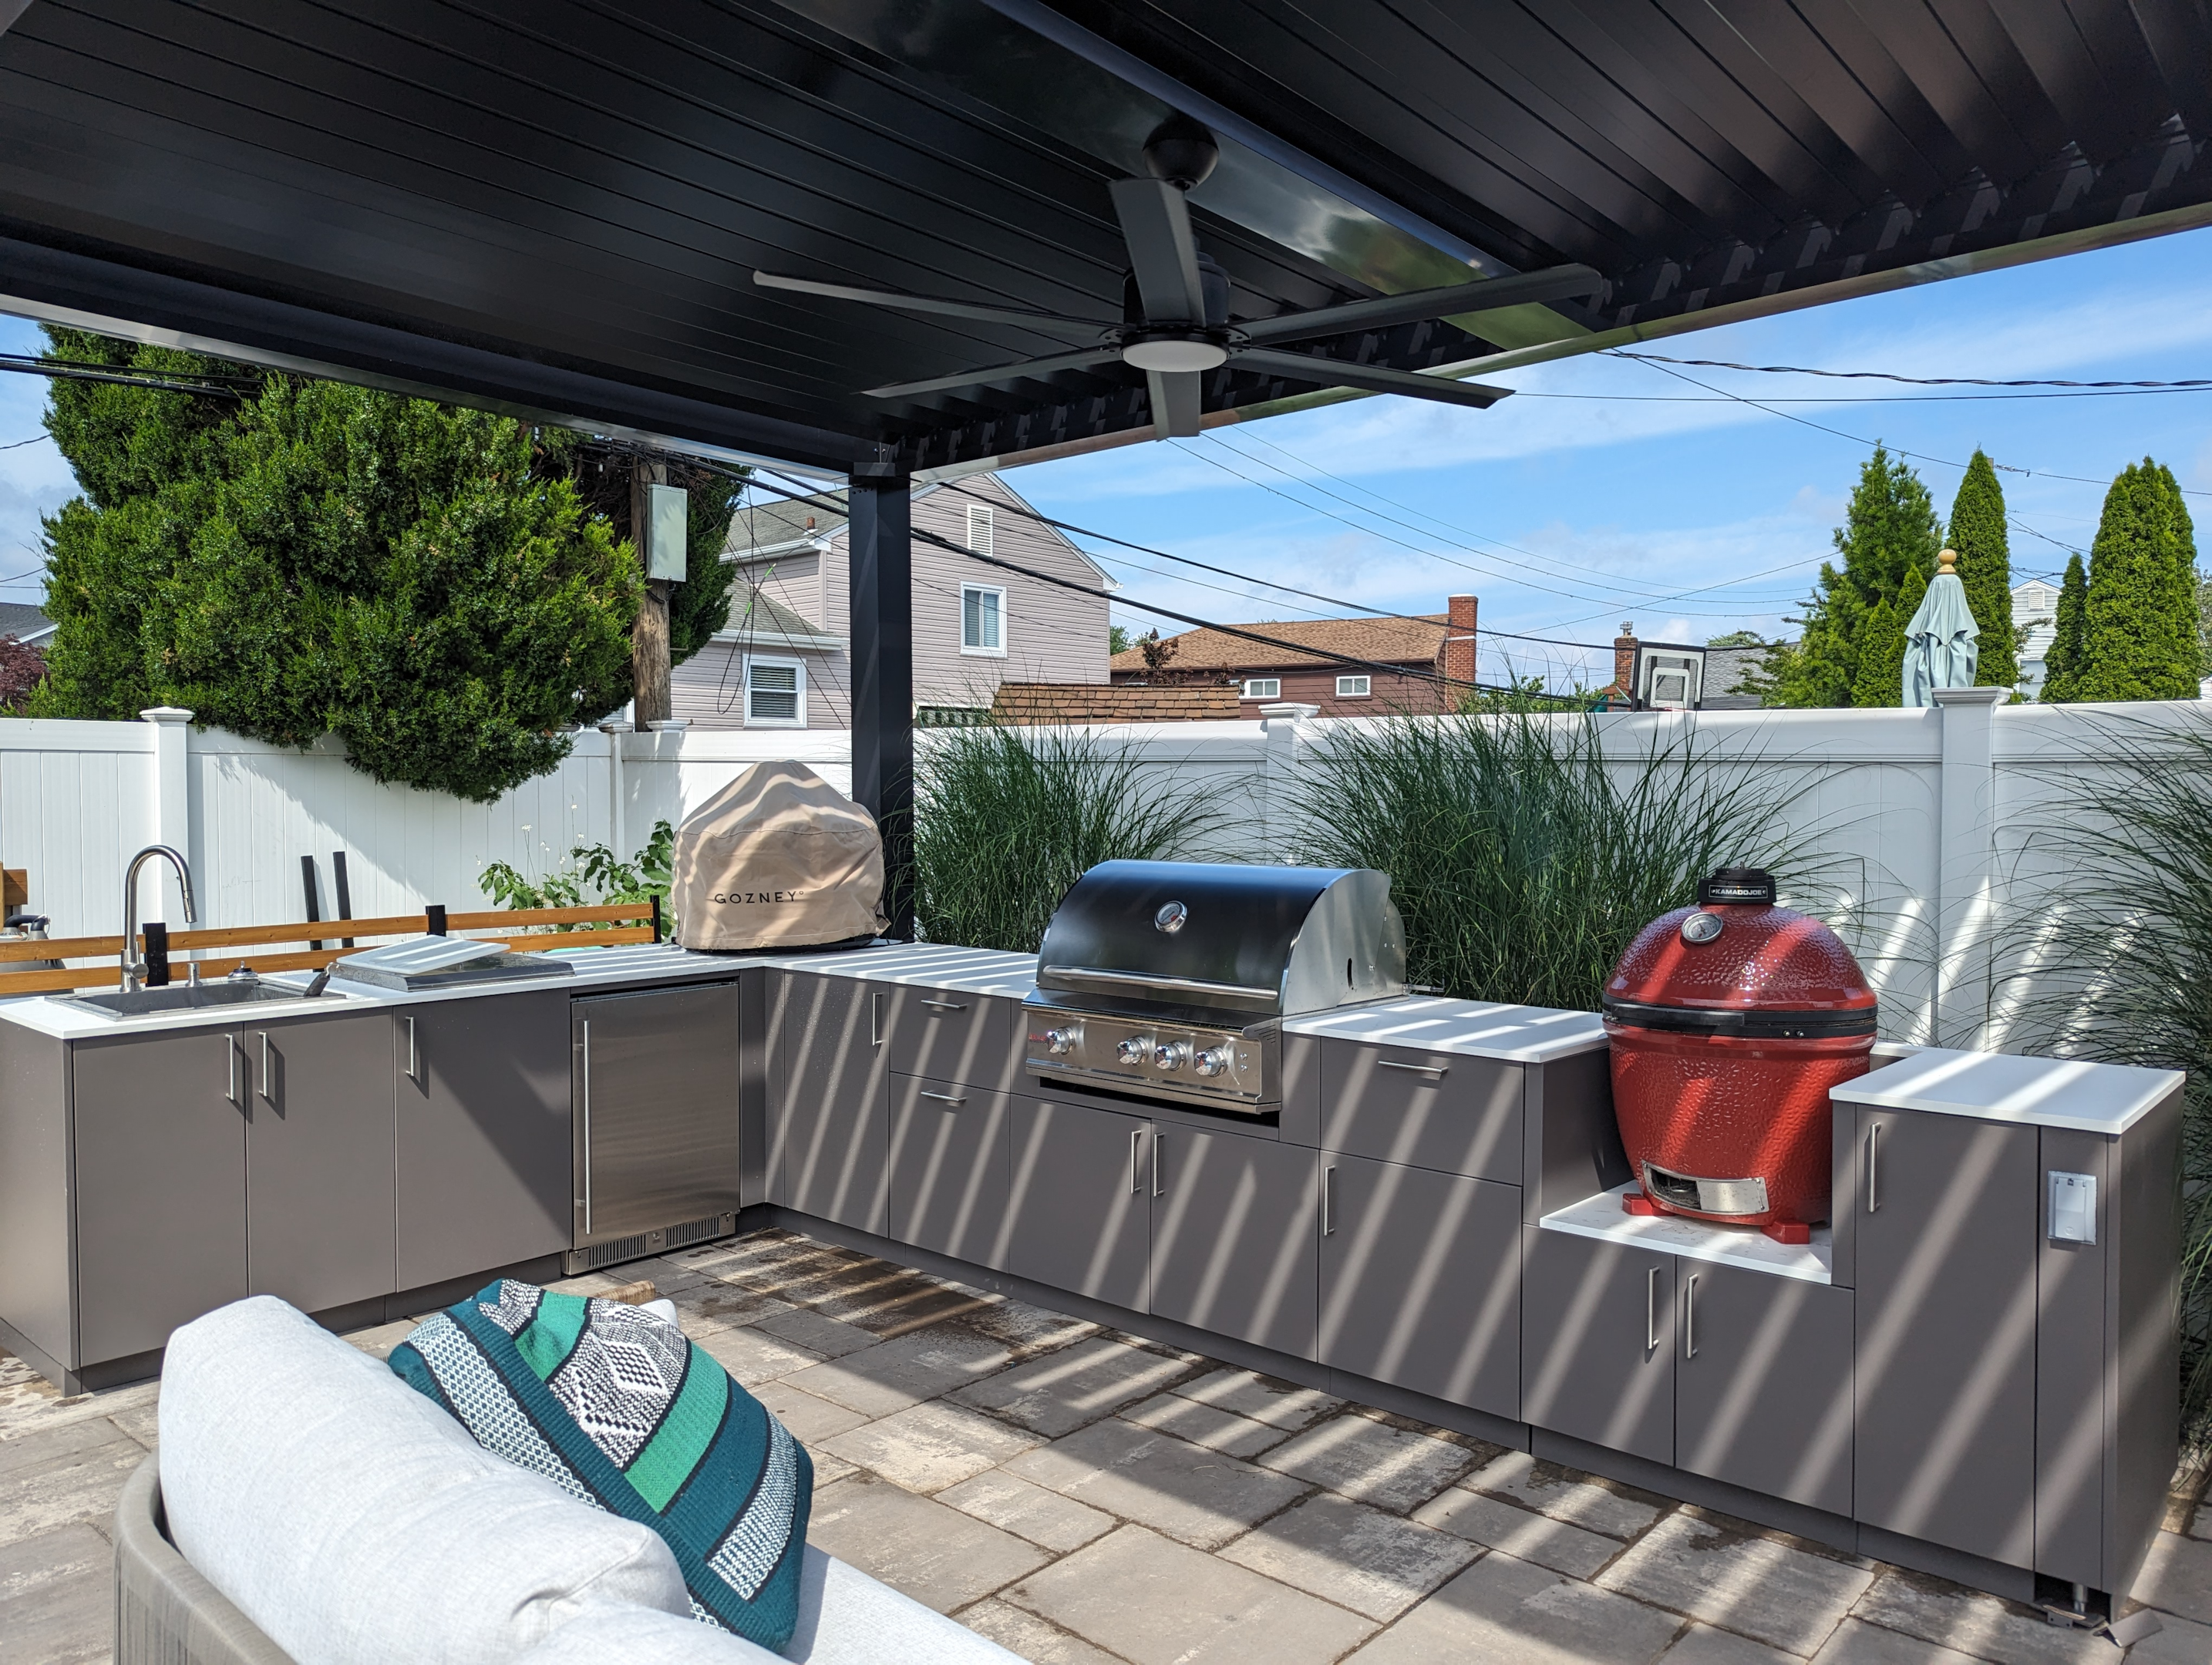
{"points": [[1176, 323]]}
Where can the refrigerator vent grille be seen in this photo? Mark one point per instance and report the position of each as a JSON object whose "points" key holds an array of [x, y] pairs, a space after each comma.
{"points": [[580, 1261]]}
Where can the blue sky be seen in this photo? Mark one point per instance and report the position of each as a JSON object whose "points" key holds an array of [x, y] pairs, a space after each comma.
{"points": [[1604, 490]]}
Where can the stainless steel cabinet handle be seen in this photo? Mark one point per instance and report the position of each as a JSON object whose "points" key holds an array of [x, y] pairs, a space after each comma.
{"points": [[587, 1127], [1437, 1070], [1136, 1139], [1329, 1202], [946, 1005], [1651, 1310], [1873, 1150], [1156, 1163], [875, 1017], [943, 1097], [230, 1061], [265, 1092], [414, 1070], [1690, 1317]]}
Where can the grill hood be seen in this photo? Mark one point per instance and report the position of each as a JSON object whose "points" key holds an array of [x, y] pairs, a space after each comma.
{"points": [[1253, 942]]}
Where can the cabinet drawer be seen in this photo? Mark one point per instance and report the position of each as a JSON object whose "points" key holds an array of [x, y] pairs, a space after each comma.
{"points": [[949, 1153], [948, 1036], [1437, 1110]]}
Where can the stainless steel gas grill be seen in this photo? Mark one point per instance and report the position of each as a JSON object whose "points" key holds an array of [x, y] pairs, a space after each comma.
{"points": [[1170, 979]]}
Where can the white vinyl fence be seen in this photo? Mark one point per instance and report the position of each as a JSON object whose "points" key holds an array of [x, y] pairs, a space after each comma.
{"points": [[1915, 832]]}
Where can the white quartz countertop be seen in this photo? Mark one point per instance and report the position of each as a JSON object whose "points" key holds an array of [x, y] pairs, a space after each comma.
{"points": [[1601, 1217], [930, 965], [2004, 1086], [1514, 1034]]}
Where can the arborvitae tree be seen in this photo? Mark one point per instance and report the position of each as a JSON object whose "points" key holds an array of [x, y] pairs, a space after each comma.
{"points": [[423, 581], [1889, 532], [1978, 533], [2061, 664], [1882, 657], [2203, 625], [2142, 610]]}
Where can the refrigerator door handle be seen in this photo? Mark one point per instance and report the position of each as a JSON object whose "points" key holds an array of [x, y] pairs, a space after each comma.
{"points": [[587, 1127]]}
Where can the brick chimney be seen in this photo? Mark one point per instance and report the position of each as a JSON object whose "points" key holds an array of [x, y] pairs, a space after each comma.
{"points": [[1624, 663], [1459, 638]]}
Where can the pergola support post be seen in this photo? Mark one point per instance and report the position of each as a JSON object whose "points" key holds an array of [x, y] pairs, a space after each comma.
{"points": [[880, 537]]}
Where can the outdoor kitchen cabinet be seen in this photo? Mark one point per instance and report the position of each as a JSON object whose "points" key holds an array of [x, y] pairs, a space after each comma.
{"points": [[1234, 1234], [1080, 1212], [836, 1100], [948, 1186], [482, 1152], [1420, 1281], [950, 1035], [1446, 1111], [1597, 1339]]}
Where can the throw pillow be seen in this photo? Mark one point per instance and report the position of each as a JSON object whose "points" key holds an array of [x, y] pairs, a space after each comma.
{"points": [[618, 1406]]}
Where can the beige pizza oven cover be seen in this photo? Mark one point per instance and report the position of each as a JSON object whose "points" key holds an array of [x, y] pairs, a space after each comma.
{"points": [[777, 859]]}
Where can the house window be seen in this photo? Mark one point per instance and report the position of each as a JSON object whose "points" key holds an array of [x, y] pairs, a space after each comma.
{"points": [[979, 528], [982, 619], [1352, 688], [1263, 688], [775, 694]]}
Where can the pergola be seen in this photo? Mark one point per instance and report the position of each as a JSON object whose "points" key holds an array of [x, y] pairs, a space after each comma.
{"points": [[556, 208]]}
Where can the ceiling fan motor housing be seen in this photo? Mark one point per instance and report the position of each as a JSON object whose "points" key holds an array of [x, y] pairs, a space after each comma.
{"points": [[1181, 151]]}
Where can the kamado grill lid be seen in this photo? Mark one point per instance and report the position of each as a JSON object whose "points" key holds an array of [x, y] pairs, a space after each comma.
{"points": [[1737, 964]]}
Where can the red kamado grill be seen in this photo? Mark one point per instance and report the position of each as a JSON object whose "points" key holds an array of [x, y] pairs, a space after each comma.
{"points": [[1729, 1023]]}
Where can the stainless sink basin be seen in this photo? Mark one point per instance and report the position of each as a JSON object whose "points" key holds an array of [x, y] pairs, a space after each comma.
{"points": [[185, 997]]}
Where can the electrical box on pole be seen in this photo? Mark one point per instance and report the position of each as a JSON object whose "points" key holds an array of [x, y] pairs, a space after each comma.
{"points": [[668, 515]]}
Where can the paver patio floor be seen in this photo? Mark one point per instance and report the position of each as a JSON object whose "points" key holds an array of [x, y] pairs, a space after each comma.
{"points": [[1087, 1496]]}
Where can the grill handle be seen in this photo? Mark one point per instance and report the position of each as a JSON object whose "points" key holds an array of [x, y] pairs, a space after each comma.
{"points": [[1155, 982]]}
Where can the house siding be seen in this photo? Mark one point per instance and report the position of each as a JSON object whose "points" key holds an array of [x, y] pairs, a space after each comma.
{"points": [[1307, 686]]}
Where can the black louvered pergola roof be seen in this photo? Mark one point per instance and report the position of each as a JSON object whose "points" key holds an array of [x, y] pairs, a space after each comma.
{"points": [[556, 207]]}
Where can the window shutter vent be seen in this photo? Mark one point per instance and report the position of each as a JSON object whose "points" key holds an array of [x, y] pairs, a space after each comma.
{"points": [[979, 529]]}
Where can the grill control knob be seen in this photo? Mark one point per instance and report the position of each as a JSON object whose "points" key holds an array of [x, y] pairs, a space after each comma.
{"points": [[1171, 1054], [1134, 1050], [1060, 1041], [1212, 1061]]}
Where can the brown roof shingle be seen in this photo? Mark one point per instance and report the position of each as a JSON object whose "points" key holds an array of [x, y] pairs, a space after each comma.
{"points": [[1026, 703], [1381, 641]]}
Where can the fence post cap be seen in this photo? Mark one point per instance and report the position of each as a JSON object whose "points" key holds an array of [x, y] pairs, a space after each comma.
{"points": [[166, 714], [1971, 696], [1290, 708]]}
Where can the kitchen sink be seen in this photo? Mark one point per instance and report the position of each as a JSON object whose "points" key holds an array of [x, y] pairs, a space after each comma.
{"points": [[188, 997]]}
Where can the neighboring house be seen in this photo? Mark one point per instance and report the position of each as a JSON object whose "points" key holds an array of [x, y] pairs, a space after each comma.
{"points": [[1675, 676], [2035, 616], [26, 624], [1312, 671], [784, 661]]}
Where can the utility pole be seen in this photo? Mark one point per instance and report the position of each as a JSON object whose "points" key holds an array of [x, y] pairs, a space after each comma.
{"points": [[648, 641]]}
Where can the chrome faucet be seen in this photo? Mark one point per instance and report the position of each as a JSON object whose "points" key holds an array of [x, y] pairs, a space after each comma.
{"points": [[134, 968]]}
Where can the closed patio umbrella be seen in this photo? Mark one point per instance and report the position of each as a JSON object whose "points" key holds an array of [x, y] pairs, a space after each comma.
{"points": [[1942, 645]]}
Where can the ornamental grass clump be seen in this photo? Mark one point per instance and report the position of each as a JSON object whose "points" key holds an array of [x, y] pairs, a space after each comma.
{"points": [[1006, 819], [1523, 859], [2121, 971]]}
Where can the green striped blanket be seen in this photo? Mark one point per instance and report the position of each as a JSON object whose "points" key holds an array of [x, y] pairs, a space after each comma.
{"points": [[618, 1407]]}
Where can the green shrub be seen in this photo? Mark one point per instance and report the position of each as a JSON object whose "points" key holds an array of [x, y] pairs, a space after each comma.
{"points": [[592, 876], [1006, 819], [1523, 862]]}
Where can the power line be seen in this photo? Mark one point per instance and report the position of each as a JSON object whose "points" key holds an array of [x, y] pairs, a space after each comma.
{"points": [[1885, 375], [18, 444]]}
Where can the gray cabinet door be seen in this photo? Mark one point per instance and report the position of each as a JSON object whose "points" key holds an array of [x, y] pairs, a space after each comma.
{"points": [[160, 1124], [948, 1167], [1235, 1222], [484, 1138], [837, 1115], [319, 1160], [1080, 1212], [1597, 1339], [1947, 1211], [1763, 1383], [1420, 1281], [937, 1032], [1429, 1109], [655, 1076]]}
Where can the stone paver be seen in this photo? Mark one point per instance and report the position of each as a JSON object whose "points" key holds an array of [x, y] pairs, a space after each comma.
{"points": [[1975, 1623], [1027, 1330], [53, 1476], [706, 1303], [2181, 1642], [1037, 1640], [378, 1343], [1201, 1424], [810, 1421], [1075, 1386], [941, 1558], [2177, 1577], [1262, 1398], [1185, 1490], [1857, 1644], [1372, 1461], [1159, 1603], [1356, 1557], [928, 1447], [1756, 1585], [829, 1468], [1013, 1504], [893, 1375], [751, 1357], [1537, 1538], [1564, 1496], [802, 1327], [1701, 1644], [57, 1597], [1504, 1612]]}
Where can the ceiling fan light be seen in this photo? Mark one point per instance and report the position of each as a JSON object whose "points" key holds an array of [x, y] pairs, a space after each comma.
{"points": [[1171, 355]]}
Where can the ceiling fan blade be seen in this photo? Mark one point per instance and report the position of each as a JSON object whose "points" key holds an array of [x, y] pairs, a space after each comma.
{"points": [[929, 303], [1368, 378], [1156, 225], [1175, 395], [1024, 367], [1486, 295]]}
